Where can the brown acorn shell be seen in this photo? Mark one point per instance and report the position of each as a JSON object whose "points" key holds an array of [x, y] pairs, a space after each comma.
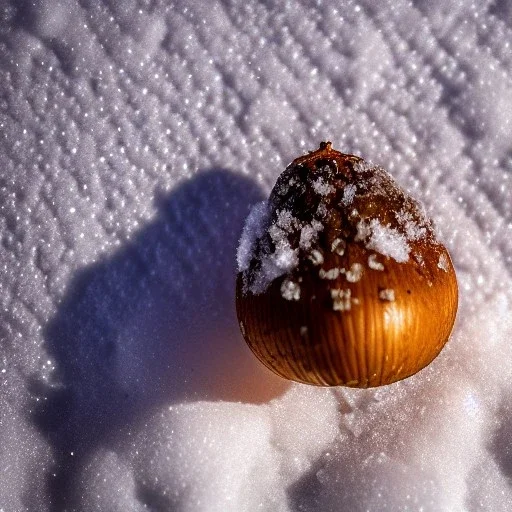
{"points": [[358, 331], [375, 342]]}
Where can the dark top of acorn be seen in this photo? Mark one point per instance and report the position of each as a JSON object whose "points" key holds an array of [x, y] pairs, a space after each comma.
{"points": [[326, 196]]}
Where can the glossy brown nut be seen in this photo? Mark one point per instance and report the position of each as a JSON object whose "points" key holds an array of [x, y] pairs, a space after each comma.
{"points": [[368, 296]]}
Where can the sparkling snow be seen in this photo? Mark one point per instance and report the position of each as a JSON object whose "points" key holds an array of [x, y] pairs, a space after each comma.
{"points": [[135, 137]]}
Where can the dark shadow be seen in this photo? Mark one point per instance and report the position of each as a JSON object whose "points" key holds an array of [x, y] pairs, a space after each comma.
{"points": [[501, 9], [500, 446], [361, 485], [154, 324], [31, 16], [500, 449], [304, 495]]}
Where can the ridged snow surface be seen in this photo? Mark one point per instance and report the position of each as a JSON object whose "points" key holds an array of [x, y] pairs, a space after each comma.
{"points": [[135, 136]]}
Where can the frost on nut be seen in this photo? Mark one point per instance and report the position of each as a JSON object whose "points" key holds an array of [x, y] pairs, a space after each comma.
{"points": [[373, 263], [387, 294], [255, 227], [317, 211], [290, 290], [443, 263], [341, 299], [355, 273], [385, 240]]}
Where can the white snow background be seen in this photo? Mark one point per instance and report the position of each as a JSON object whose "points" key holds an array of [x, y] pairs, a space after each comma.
{"points": [[135, 136]]}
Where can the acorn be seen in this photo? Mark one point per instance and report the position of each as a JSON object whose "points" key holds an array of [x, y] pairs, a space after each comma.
{"points": [[342, 280]]}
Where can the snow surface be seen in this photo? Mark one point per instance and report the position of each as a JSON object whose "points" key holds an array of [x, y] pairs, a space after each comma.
{"points": [[384, 240], [135, 136]]}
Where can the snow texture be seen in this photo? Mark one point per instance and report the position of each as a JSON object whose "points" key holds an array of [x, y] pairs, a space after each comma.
{"points": [[135, 137], [384, 240]]}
